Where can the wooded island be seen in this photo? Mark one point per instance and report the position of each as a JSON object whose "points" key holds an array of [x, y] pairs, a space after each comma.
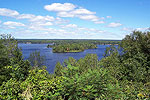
{"points": [[72, 47]]}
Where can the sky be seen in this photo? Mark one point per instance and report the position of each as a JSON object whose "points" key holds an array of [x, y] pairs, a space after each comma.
{"points": [[73, 19]]}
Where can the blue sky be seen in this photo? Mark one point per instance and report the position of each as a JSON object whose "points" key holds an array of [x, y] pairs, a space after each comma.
{"points": [[73, 19]]}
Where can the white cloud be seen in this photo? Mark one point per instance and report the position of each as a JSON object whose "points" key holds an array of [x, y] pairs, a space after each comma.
{"points": [[33, 22], [70, 10], [43, 24], [108, 16], [11, 23], [59, 20], [47, 24], [42, 18], [83, 16], [8, 12], [40, 29], [77, 13], [113, 25], [89, 17], [60, 7], [69, 26], [39, 26], [0, 21], [65, 14], [36, 27], [82, 11], [50, 19], [25, 16]]}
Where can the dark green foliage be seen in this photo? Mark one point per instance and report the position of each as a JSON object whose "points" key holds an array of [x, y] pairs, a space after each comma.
{"points": [[136, 42], [70, 41], [73, 47], [134, 64], [89, 61], [11, 55], [132, 68], [136, 58], [111, 51], [19, 71], [58, 69], [94, 83], [70, 60], [4, 61]]}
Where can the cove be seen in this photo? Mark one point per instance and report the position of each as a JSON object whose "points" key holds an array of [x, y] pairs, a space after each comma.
{"points": [[52, 58]]}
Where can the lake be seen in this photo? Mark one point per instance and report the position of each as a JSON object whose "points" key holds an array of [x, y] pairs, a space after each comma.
{"points": [[52, 58]]}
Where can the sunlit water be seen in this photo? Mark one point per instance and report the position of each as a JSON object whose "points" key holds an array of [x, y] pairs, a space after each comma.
{"points": [[52, 58]]}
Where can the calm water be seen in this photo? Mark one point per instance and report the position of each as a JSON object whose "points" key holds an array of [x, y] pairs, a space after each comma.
{"points": [[52, 58]]}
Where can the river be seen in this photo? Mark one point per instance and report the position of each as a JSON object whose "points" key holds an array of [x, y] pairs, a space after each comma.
{"points": [[52, 58]]}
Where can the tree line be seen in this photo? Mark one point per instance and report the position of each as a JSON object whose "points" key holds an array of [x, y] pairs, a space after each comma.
{"points": [[120, 75], [71, 41]]}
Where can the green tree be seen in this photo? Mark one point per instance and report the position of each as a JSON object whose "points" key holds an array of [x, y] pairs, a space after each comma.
{"points": [[136, 57], [36, 59], [94, 83], [11, 56], [58, 69], [4, 61], [37, 85]]}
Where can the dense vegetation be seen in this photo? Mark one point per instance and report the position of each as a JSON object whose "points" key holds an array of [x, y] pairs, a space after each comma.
{"points": [[72, 47], [118, 76]]}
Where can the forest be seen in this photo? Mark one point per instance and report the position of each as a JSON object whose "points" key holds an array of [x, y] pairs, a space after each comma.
{"points": [[70, 41], [119, 75]]}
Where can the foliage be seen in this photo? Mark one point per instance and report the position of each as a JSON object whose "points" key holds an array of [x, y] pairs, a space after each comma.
{"points": [[136, 58], [11, 55], [36, 59], [131, 68], [121, 75], [38, 85], [10, 90], [70, 41], [58, 69], [41, 86], [88, 85], [73, 47]]}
